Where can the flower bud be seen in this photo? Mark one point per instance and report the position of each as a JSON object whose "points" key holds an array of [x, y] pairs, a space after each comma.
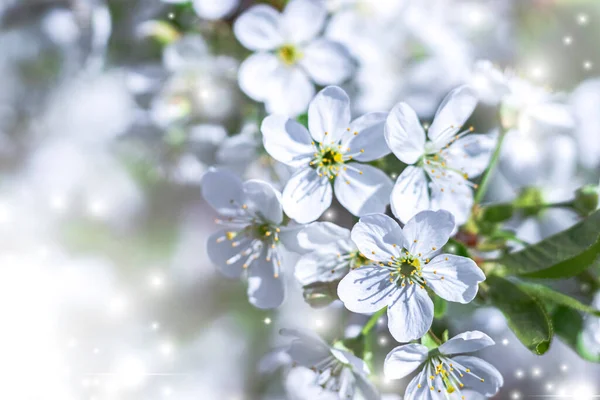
{"points": [[586, 200]]}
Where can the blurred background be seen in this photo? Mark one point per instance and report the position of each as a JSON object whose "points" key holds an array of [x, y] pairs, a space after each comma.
{"points": [[111, 110]]}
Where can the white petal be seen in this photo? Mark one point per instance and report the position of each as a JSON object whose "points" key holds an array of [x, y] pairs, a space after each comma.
{"points": [[329, 115], [461, 277], [320, 236], [378, 237], [256, 74], [471, 154], [263, 200], [287, 140], [492, 378], [366, 387], [403, 360], [227, 258], [302, 20], [223, 191], [327, 62], [357, 364], [410, 313], [466, 342], [307, 349], [306, 196], [265, 290], [363, 189], [457, 196], [290, 91], [319, 266], [428, 231], [258, 28], [404, 134], [366, 289], [454, 111], [210, 9], [410, 194], [414, 392], [366, 133], [300, 384]]}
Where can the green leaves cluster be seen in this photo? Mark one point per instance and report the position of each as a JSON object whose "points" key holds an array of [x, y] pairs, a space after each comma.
{"points": [[535, 312]]}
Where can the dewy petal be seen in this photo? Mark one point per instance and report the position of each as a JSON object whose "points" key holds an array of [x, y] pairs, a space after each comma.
{"points": [[302, 20], [403, 360], [289, 92], [410, 313], [378, 237], [287, 141], [306, 349], [466, 342], [256, 75], [492, 379], [455, 278], [471, 154], [319, 236], [327, 62], [456, 196], [363, 189], [452, 114], [223, 191], [258, 28], [404, 134], [263, 200], [212, 10], [329, 115], [428, 231], [366, 289], [228, 259], [410, 194], [365, 137], [265, 290], [306, 196]]}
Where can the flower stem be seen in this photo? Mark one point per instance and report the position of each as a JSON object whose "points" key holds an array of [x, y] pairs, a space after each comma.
{"points": [[372, 321], [485, 181], [434, 337]]}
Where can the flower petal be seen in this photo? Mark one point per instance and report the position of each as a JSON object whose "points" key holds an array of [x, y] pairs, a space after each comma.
{"points": [[410, 194], [456, 196], [263, 200], [365, 137], [419, 386], [306, 196], [320, 236], [266, 289], [307, 349], [258, 28], [455, 110], [300, 383], [363, 189], [287, 81], [410, 313], [404, 134], [466, 342], [428, 231], [320, 266], [378, 237], [471, 154], [403, 360], [366, 387], [455, 279], [256, 75], [302, 20], [213, 10], [287, 140], [327, 62], [223, 191], [366, 289], [492, 379], [329, 115], [228, 258]]}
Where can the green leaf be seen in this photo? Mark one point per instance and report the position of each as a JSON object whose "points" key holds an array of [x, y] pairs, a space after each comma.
{"points": [[545, 294], [439, 307], [563, 255], [429, 342], [497, 212], [525, 315], [569, 326]]}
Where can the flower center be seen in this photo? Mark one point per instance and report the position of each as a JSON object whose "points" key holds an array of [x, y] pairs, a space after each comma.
{"points": [[327, 161], [406, 269], [446, 373], [289, 54]]}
